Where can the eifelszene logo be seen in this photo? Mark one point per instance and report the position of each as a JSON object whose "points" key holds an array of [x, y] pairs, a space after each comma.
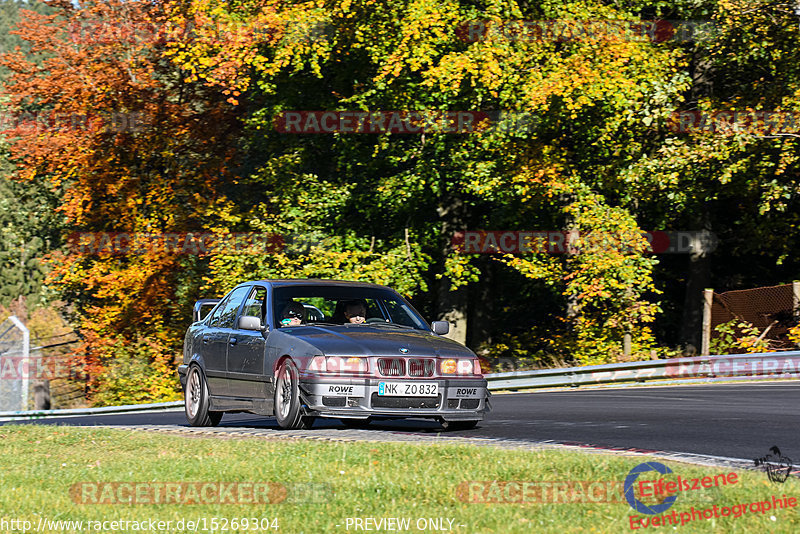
{"points": [[630, 483], [668, 488]]}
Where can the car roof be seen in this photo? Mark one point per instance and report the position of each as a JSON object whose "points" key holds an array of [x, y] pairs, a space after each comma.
{"points": [[316, 282]]}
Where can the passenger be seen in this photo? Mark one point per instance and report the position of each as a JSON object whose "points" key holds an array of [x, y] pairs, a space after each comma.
{"points": [[293, 314], [355, 312]]}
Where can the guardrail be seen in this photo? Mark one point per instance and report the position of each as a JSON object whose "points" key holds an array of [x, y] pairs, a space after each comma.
{"points": [[768, 365], [76, 412]]}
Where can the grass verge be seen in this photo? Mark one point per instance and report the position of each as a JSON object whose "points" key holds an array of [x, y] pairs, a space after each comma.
{"points": [[81, 474]]}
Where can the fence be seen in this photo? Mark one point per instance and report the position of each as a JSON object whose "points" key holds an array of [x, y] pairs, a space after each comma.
{"points": [[772, 310], [14, 346]]}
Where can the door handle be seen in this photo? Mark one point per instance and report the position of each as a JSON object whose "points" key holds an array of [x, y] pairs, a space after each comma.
{"points": [[232, 341]]}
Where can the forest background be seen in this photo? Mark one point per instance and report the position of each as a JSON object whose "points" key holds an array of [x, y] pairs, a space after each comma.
{"points": [[164, 117]]}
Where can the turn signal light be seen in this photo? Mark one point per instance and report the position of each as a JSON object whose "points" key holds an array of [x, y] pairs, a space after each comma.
{"points": [[448, 367]]}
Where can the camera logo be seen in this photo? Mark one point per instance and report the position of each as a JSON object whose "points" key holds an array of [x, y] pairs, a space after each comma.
{"points": [[777, 466], [630, 483]]}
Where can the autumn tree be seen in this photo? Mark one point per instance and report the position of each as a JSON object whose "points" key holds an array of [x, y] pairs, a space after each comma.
{"points": [[591, 104], [136, 149]]}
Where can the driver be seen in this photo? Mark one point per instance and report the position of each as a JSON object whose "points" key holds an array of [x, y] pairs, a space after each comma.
{"points": [[355, 312], [293, 314]]}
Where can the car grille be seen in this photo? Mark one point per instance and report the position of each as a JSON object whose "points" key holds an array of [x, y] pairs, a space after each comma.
{"points": [[391, 366], [469, 404], [418, 367], [405, 402]]}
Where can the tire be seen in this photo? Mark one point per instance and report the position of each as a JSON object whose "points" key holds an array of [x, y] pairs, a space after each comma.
{"points": [[195, 397], [459, 425], [287, 399]]}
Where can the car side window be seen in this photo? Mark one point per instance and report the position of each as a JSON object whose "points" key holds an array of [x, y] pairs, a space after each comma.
{"points": [[229, 311], [213, 319], [254, 306]]}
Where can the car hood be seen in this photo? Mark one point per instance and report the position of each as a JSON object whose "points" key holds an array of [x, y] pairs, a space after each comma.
{"points": [[378, 341]]}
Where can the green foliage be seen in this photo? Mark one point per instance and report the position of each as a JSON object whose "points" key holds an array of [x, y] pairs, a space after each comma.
{"points": [[135, 372], [738, 336], [29, 229], [9, 16], [596, 157]]}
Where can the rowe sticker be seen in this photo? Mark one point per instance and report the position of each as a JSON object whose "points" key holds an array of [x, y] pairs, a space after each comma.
{"points": [[341, 390]]}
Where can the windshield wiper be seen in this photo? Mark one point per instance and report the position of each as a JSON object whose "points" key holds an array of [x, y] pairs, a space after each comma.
{"points": [[390, 324]]}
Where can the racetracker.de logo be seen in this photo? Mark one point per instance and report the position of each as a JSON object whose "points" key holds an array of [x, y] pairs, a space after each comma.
{"points": [[532, 492], [19, 123], [403, 122], [36, 368], [754, 122], [178, 243], [569, 30], [573, 242], [180, 493]]}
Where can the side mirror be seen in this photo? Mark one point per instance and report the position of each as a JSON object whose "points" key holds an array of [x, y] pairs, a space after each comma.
{"points": [[440, 327], [248, 322]]}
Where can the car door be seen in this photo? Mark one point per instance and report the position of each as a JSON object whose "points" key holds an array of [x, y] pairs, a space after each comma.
{"points": [[246, 377], [215, 341], [214, 360]]}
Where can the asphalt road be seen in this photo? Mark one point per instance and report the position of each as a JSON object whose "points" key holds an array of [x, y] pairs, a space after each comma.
{"points": [[736, 421]]}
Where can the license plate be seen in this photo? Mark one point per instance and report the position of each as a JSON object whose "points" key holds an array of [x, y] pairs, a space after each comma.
{"points": [[408, 389]]}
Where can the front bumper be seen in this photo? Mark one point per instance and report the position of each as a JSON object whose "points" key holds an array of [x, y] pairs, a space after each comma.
{"points": [[458, 399]]}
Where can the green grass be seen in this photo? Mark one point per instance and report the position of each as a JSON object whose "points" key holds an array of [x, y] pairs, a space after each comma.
{"points": [[39, 465]]}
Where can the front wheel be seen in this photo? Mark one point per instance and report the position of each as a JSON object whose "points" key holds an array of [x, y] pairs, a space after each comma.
{"points": [[287, 399], [196, 400]]}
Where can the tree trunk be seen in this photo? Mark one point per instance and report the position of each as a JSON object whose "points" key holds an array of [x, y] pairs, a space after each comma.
{"points": [[479, 319], [698, 279], [451, 304]]}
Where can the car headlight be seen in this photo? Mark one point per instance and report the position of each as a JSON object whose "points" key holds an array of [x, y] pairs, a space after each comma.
{"points": [[461, 366], [338, 364]]}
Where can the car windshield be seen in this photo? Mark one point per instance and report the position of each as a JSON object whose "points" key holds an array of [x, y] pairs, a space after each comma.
{"points": [[343, 305]]}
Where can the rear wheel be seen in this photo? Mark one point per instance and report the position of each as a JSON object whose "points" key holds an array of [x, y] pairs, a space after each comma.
{"points": [[196, 400], [288, 411]]}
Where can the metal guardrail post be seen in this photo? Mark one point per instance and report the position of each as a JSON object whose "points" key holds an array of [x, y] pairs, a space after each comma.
{"points": [[705, 344], [26, 351]]}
